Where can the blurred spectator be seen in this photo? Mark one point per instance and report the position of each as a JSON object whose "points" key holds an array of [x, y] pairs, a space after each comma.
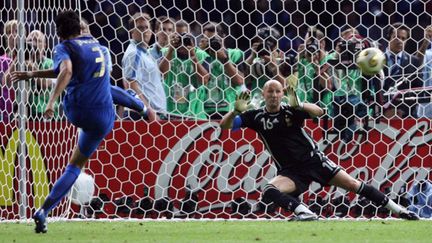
{"points": [[371, 86], [348, 85], [425, 107], [39, 87], [264, 63], [184, 73], [11, 36], [7, 95], [314, 81], [420, 197], [182, 26], [140, 69], [164, 27], [224, 66], [425, 44], [401, 71]]}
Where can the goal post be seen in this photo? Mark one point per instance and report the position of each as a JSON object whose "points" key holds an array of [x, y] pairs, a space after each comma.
{"points": [[27, 148]]}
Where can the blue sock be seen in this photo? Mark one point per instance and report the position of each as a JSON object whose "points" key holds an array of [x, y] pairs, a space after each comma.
{"points": [[61, 187], [123, 98]]}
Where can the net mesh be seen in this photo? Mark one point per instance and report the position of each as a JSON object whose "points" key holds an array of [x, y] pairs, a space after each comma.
{"points": [[184, 166]]}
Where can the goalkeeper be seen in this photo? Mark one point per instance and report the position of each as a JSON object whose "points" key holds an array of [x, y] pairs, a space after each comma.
{"points": [[297, 158]]}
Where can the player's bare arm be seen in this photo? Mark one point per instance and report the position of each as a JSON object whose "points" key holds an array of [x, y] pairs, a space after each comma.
{"points": [[25, 75], [42, 77], [63, 80], [313, 110]]}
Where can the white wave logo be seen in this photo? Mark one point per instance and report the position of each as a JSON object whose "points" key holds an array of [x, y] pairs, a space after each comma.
{"points": [[223, 170]]}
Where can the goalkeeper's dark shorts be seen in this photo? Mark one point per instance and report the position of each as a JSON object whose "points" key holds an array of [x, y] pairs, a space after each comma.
{"points": [[319, 169]]}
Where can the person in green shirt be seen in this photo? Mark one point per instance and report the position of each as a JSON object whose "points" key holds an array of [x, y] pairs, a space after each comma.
{"points": [[163, 28], [265, 62], [314, 80], [349, 107], [184, 74], [224, 67], [40, 87]]}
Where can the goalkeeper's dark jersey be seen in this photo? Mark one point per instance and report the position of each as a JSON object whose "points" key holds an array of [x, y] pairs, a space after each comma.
{"points": [[283, 135]]}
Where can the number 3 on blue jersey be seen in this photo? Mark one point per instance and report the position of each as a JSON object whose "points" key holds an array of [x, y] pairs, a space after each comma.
{"points": [[100, 60]]}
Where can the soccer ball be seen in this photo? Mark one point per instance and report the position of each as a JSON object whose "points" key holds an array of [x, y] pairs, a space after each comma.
{"points": [[83, 189], [371, 61]]}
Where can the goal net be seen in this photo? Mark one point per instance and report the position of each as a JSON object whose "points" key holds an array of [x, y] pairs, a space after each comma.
{"points": [[184, 166]]}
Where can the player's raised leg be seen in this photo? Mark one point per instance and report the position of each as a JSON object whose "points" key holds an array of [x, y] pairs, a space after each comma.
{"points": [[127, 99], [345, 181]]}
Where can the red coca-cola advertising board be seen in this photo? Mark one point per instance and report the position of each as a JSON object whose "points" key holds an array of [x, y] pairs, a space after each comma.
{"points": [[217, 166]]}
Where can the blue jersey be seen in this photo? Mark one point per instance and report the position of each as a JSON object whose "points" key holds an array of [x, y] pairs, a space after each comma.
{"points": [[90, 84], [107, 57]]}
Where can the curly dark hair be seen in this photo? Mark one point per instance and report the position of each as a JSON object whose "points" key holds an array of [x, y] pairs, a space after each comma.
{"points": [[67, 24]]}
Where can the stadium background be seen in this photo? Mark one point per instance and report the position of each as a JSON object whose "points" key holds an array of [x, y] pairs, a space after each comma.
{"points": [[108, 19]]}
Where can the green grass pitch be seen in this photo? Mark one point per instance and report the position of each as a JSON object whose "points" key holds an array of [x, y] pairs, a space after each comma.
{"points": [[222, 231]]}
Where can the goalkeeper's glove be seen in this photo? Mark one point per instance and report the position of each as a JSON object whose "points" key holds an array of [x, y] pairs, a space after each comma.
{"points": [[242, 102], [293, 99]]}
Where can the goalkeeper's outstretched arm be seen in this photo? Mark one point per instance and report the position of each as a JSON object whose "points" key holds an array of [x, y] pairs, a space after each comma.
{"points": [[240, 106], [313, 110], [228, 119], [294, 101]]}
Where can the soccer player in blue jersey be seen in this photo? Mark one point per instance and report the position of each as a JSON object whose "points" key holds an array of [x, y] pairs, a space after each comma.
{"points": [[81, 70], [119, 95], [296, 155]]}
